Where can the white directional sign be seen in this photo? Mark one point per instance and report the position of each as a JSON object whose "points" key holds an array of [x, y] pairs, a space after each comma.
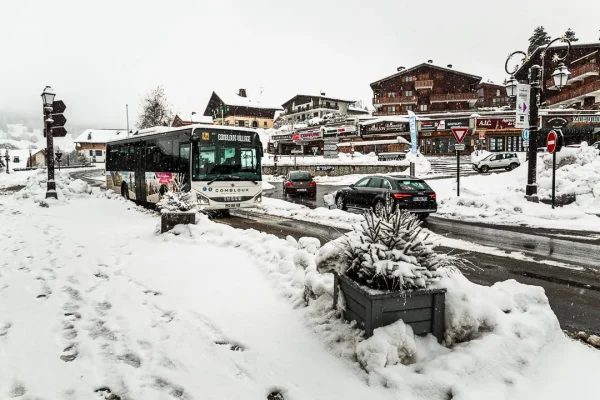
{"points": [[459, 147], [523, 103]]}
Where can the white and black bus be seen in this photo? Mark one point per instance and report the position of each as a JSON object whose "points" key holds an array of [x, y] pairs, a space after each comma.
{"points": [[223, 162]]}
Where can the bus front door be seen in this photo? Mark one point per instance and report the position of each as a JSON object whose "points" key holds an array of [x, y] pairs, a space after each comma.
{"points": [[140, 174]]}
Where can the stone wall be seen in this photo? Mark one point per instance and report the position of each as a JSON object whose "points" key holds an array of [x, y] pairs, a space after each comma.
{"points": [[334, 170]]}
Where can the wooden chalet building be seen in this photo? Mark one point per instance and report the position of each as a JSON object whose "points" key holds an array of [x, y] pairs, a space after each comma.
{"points": [[583, 87], [491, 95], [303, 107], [425, 88], [240, 110]]}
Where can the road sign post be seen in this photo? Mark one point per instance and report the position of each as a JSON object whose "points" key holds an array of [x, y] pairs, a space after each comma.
{"points": [[553, 145], [58, 158], [523, 105], [459, 134]]}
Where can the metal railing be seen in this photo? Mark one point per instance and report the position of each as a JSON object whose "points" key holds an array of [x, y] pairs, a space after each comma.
{"points": [[567, 94], [454, 97]]}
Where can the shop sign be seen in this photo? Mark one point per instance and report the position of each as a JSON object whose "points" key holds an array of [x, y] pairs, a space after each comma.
{"points": [[325, 168], [339, 130], [385, 127], [587, 119], [429, 125], [457, 123], [314, 134], [495, 123], [282, 137], [557, 122]]}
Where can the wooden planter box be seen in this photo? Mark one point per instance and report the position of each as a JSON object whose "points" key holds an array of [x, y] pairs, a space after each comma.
{"points": [[423, 310], [169, 220]]}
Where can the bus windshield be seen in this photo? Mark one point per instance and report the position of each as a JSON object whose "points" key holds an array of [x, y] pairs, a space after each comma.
{"points": [[225, 161]]}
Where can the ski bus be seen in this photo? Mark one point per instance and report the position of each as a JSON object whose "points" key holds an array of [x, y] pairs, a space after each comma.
{"points": [[221, 165]]}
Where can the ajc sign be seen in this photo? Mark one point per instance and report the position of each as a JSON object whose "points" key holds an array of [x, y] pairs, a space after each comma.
{"points": [[496, 123]]}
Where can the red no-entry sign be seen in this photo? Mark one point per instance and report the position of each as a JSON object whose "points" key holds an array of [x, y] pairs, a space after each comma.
{"points": [[552, 141]]}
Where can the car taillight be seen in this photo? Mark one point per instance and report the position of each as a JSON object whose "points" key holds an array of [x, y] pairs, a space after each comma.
{"points": [[288, 184], [313, 183], [433, 196], [401, 195]]}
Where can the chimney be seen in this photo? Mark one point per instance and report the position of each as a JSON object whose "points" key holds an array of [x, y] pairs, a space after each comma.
{"points": [[449, 65], [430, 61], [400, 68], [242, 93], [322, 93]]}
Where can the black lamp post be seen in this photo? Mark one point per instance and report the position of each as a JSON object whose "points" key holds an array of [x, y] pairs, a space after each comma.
{"points": [[537, 98], [7, 158], [48, 100]]}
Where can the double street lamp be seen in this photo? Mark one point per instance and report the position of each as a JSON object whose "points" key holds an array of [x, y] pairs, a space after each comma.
{"points": [[48, 100], [537, 97]]}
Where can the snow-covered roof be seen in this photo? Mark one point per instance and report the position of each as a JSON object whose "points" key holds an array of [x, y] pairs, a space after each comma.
{"points": [[195, 118], [357, 109], [383, 119], [319, 96], [427, 64], [100, 135], [234, 99]]}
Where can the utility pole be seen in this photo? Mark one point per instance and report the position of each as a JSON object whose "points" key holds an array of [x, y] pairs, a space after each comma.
{"points": [[127, 114]]}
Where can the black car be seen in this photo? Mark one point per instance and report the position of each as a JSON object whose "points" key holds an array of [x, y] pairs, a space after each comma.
{"points": [[407, 193]]}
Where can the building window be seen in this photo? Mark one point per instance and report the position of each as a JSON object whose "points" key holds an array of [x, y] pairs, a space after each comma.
{"points": [[409, 79], [98, 153], [91, 153], [423, 107], [496, 143], [408, 93], [391, 94], [408, 107], [391, 109], [255, 124], [265, 124], [498, 92]]}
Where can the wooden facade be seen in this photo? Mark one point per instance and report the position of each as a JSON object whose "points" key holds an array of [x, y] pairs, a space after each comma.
{"points": [[423, 89], [583, 87], [491, 95], [230, 113]]}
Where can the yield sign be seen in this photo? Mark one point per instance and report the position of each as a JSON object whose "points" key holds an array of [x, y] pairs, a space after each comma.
{"points": [[459, 133]]}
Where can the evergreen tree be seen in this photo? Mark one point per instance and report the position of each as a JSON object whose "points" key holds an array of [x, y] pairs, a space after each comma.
{"points": [[155, 110], [570, 34], [540, 37]]}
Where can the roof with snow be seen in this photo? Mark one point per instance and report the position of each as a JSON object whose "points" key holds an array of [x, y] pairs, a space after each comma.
{"points": [[234, 99], [319, 96], [100, 135], [426, 64], [556, 46], [194, 118]]}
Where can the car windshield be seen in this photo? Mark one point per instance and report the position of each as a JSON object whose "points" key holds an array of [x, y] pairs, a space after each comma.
{"points": [[412, 185], [300, 176]]}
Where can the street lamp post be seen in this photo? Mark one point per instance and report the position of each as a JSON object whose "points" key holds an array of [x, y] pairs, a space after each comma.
{"points": [[7, 158], [537, 98], [48, 100]]}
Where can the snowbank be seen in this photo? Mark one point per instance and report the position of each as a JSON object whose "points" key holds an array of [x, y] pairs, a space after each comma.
{"points": [[478, 155], [208, 311], [66, 188], [500, 198]]}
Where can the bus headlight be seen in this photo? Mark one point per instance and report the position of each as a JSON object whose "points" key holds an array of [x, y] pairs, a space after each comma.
{"points": [[258, 199], [202, 200]]}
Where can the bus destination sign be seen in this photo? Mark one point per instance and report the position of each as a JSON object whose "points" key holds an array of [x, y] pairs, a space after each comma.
{"points": [[234, 138]]}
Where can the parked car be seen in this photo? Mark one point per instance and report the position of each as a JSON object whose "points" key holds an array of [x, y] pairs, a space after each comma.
{"points": [[373, 192], [299, 182], [597, 147], [508, 161]]}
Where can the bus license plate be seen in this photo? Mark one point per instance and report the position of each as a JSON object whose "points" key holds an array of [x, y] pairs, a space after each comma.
{"points": [[420, 199], [233, 205]]}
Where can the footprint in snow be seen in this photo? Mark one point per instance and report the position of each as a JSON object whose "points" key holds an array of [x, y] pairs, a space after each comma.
{"points": [[69, 354], [17, 390], [4, 327], [174, 390], [106, 394]]}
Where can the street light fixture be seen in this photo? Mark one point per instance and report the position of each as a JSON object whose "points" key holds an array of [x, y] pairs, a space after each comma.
{"points": [[561, 76], [537, 97], [48, 96], [48, 100]]}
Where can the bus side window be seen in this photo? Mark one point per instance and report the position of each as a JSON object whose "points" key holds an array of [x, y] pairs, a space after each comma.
{"points": [[184, 157], [131, 159], [123, 156]]}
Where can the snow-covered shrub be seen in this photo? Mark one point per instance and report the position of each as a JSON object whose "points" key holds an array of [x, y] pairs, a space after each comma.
{"points": [[389, 252], [176, 202]]}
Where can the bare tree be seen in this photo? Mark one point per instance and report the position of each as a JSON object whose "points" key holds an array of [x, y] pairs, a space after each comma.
{"points": [[155, 110]]}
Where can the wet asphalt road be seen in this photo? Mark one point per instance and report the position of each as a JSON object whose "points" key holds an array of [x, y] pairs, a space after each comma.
{"points": [[573, 294]]}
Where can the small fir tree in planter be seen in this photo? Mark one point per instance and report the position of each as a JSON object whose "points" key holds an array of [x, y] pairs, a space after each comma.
{"points": [[177, 207], [385, 274]]}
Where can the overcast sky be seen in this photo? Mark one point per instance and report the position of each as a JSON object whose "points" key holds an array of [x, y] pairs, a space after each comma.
{"points": [[101, 55]]}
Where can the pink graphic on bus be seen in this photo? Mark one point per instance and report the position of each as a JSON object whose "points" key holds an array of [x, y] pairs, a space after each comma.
{"points": [[164, 177]]}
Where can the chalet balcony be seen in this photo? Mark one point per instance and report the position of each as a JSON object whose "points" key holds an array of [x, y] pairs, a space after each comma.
{"points": [[578, 74], [424, 85], [395, 100], [455, 97], [592, 89], [314, 107]]}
